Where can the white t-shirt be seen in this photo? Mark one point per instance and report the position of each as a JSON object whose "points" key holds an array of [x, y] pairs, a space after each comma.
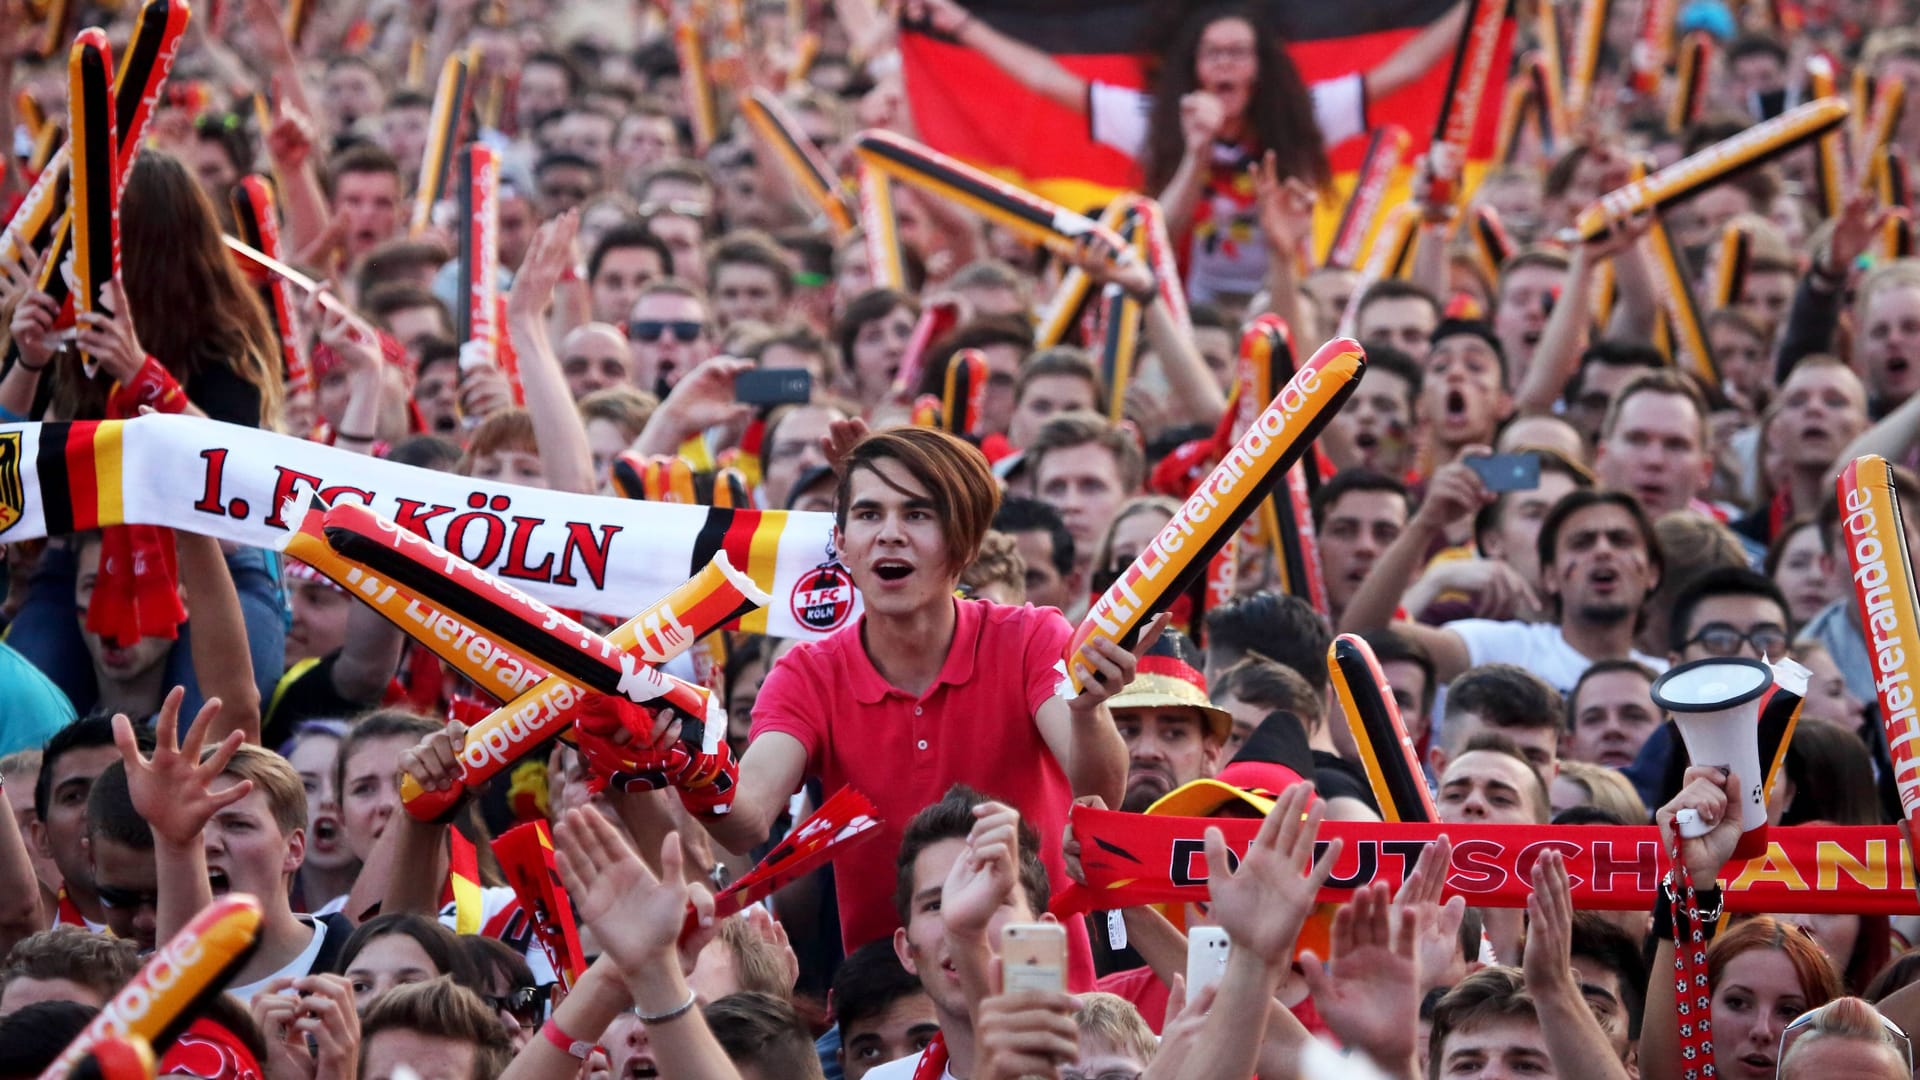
{"points": [[1539, 647], [1225, 251], [503, 917], [297, 967]]}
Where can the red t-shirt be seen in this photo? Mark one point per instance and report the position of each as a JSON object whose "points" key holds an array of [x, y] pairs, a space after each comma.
{"points": [[974, 726]]}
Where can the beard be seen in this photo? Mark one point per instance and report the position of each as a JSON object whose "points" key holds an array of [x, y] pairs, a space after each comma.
{"points": [[1144, 788], [1605, 614]]}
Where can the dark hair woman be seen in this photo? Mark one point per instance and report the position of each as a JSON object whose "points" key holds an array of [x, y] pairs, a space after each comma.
{"points": [[185, 333], [1223, 94]]}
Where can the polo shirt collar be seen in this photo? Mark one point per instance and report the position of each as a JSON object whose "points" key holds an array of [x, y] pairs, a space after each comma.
{"points": [[870, 687]]}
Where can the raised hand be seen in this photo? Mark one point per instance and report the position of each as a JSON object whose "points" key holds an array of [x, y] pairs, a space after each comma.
{"points": [[1263, 904], [838, 442], [636, 917], [32, 326], [1715, 796], [1548, 956], [1369, 992], [1070, 844], [108, 335], [1455, 493], [1107, 669], [1201, 114], [1024, 1033], [548, 256], [327, 1016], [1106, 266], [984, 875], [1180, 1037], [435, 761], [1285, 206], [1436, 926], [173, 789]]}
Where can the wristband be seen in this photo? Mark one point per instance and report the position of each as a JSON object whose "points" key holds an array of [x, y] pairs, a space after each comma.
{"points": [[674, 1013], [564, 1042]]}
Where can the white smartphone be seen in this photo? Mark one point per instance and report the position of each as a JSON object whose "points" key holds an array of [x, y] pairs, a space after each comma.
{"points": [[1033, 956], [1207, 948]]}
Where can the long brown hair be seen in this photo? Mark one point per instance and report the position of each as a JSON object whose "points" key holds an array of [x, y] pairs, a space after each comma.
{"points": [[1279, 109], [191, 306]]}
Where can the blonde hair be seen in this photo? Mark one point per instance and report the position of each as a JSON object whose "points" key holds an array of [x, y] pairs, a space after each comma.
{"points": [[998, 563], [274, 775], [506, 430], [1899, 274], [758, 964], [1844, 1018], [442, 1009], [1606, 789], [625, 407], [1113, 1021]]}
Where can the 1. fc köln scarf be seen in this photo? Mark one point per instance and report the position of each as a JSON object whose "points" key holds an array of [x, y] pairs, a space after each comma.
{"points": [[577, 552]]}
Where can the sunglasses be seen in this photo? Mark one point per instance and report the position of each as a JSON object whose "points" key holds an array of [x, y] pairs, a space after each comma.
{"points": [[685, 331], [126, 899], [1725, 639], [526, 1004], [1895, 1035]]}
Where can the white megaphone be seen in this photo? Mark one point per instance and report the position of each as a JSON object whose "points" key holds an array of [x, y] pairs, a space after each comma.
{"points": [[1716, 702]]}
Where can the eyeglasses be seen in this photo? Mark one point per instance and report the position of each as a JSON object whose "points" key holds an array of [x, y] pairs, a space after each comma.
{"points": [[1725, 639], [685, 331], [1897, 1036], [526, 1004], [126, 899]]}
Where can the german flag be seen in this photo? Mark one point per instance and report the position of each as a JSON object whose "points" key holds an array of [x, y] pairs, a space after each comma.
{"points": [[79, 466], [751, 539], [965, 106]]}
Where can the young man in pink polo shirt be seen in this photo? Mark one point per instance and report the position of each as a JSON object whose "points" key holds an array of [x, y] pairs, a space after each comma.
{"points": [[924, 690]]}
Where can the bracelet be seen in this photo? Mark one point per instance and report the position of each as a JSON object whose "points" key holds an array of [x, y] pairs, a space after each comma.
{"points": [[1713, 902], [22, 362], [578, 1048], [674, 1013]]}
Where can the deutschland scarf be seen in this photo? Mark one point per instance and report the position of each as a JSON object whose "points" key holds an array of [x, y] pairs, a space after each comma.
{"points": [[579, 552]]}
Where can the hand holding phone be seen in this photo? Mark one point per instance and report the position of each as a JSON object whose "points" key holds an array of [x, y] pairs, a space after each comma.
{"points": [[1033, 956], [773, 386], [1502, 473], [1207, 949]]}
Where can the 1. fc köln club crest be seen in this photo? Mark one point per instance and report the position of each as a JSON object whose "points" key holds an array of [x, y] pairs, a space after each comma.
{"points": [[823, 597]]}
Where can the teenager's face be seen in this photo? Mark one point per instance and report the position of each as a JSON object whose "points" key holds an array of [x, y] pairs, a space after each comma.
{"points": [[623, 273], [371, 795], [1462, 400], [878, 347], [922, 943], [892, 543], [1612, 716], [1601, 570], [1358, 527], [510, 467], [1759, 994], [1043, 397], [319, 619], [1805, 574], [1378, 421], [905, 1026], [63, 833], [1500, 1050], [1514, 538], [403, 1051], [1227, 64], [1743, 360], [1656, 452], [1822, 408], [1083, 483], [1405, 322], [127, 880], [385, 962], [1526, 297], [247, 852], [313, 758], [1887, 351], [1487, 787], [111, 662]]}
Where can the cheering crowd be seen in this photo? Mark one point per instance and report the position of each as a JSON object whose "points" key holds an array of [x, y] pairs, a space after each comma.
{"points": [[1531, 506]]}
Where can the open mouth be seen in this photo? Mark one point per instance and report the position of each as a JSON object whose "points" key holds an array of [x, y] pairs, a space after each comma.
{"points": [[1762, 1062], [325, 830], [1456, 405], [893, 570], [1814, 433], [1530, 338], [218, 880], [1366, 440], [1604, 577], [640, 1068], [1898, 365]]}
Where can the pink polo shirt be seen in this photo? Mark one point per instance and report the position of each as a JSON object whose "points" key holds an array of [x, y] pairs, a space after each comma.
{"points": [[974, 726]]}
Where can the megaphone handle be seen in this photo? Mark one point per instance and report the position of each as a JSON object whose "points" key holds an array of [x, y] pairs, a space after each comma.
{"points": [[1690, 825]]}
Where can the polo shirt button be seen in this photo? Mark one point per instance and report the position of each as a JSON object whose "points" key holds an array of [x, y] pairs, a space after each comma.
{"points": [[916, 712], [923, 744]]}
